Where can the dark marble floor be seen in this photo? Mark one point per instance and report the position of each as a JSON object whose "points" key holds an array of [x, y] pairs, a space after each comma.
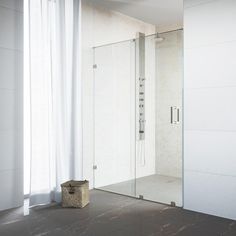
{"points": [[113, 215]]}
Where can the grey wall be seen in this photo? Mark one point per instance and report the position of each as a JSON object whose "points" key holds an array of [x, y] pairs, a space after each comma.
{"points": [[11, 122], [210, 107]]}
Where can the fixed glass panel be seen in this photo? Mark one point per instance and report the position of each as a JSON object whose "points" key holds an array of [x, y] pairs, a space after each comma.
{"points": [[114, 118]]}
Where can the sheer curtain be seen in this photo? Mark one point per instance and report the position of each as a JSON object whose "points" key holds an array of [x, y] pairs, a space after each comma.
{"points": [[55, 97]]}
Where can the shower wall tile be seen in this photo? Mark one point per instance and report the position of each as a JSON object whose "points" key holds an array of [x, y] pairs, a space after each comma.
{"points": [[210, 152], [11, 25], [11, 103], [206, 67], [7, 109], [120, 27], [210, 109], [11, 189], [13, 4], [210, 23], [210, 194], [8, 150], [11, 67]]}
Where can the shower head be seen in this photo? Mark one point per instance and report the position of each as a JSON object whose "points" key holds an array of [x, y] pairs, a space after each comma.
{"points": [[158, 38]]}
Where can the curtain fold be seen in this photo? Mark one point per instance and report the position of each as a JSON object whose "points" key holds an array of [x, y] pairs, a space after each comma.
{"points": [[55, 92]]}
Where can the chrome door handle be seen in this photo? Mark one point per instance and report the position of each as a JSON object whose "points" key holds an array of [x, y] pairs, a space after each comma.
{"points": [[178, 115], [174, 115], [171, 115]]}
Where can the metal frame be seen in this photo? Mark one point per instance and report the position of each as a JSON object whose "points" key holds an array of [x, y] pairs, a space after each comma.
{"points": [[132, 39]]}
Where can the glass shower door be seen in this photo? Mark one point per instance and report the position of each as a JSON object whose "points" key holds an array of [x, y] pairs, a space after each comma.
{"points": [[159, 153], [137, 117], [114, 118]]}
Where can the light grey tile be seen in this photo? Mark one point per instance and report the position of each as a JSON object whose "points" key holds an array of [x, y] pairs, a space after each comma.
{"points": [[7, 110], [211, 66], [11, 189], [211, 194], [8, 151], [210, 109], [210, 23], [11, 67], [11, 27], [13, 4], [212, 152]]}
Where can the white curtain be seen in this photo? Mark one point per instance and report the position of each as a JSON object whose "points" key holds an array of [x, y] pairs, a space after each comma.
{"points": [[55, 97]]}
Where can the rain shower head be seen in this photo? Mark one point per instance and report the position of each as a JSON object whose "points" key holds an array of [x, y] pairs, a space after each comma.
{"points": [[158, 38]]}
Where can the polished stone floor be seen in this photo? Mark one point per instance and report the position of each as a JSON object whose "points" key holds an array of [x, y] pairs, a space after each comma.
{"points": [[113, 215], [157, 188]]}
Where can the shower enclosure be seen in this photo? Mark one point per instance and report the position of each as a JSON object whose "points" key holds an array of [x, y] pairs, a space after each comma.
{"points": [[138, 117]]}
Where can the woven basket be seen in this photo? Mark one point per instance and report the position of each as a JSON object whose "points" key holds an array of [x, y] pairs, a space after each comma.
{"points": [[75, 193]]}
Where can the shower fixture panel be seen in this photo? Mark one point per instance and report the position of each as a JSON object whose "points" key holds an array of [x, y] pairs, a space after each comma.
{"points": [[141, 108], [140, 75]]}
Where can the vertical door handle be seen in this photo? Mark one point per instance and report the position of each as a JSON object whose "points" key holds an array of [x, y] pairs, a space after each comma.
{"points": [[171, 115], [178, 115]]}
